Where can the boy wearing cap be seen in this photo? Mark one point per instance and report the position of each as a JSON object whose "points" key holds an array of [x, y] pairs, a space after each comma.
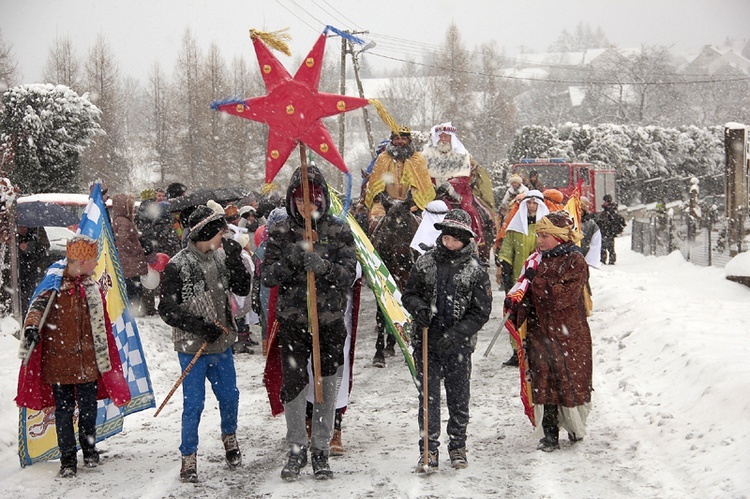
{"points": [[448, 292], [74, 358], [195, 300]]}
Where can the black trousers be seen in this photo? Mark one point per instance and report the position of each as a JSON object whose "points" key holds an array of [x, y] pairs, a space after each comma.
{"points": [[608, 247], [66, 397], [454, 368]]}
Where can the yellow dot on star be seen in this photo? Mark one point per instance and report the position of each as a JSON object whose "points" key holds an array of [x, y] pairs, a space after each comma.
{"points": [[309, 62], [289, 109], [341, 105], [266, 68], [275, 154], [323, 147]]}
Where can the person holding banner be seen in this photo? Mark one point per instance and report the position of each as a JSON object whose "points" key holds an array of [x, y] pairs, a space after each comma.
{"points": [[196, 301], [449, 293], [558, 341], [286, 264], [72, 355]]}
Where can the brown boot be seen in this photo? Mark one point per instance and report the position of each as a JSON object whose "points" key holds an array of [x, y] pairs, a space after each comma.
{"points": [[337, 448]]}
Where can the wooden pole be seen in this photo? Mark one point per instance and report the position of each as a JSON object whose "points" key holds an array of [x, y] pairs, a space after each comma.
{"points": [[312, 295], [187, 370], [182, 377], [425, 403]]}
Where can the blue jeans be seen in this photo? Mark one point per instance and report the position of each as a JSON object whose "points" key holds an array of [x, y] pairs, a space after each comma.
{"points": [[218, 368]]}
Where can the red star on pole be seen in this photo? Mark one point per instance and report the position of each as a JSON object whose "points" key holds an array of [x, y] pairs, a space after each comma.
{"points": [[293, 108]]}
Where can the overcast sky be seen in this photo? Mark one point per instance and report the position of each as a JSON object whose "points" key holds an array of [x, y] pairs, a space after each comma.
{"points": [[141, 32]]}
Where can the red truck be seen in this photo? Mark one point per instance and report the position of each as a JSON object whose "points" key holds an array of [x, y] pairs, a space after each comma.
{"points": [[560, 174]]}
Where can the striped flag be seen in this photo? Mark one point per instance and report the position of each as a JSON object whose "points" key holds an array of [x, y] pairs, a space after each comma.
{"points": [[37, 439]]}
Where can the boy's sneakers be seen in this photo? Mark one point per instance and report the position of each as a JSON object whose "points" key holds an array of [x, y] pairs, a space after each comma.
{"points": [[458, 458], [232, 449], [189, 469], [432, 459], [296, 461], [548, 444], [320, 466]]}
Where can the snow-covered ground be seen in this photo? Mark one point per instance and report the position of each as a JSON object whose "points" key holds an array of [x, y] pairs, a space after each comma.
{"points": [[671, 415]]}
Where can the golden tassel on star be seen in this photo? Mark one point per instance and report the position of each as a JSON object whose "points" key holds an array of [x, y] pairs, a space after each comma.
{"points": [[269, 187], [276, 40]]}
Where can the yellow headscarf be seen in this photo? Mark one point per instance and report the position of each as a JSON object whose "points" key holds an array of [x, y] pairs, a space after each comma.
{"points": [[567, 233]]}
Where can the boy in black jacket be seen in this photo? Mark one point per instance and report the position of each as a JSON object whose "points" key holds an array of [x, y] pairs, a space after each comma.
{"points": [[449, 293]]}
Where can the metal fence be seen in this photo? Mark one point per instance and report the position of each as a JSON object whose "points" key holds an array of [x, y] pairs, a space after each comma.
{"points": [[701, 245]]}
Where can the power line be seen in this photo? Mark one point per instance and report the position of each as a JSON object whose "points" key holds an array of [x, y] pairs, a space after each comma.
{"points": [[744, 78]]}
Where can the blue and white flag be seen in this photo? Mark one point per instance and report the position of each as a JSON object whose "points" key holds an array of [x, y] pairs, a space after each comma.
{"points": [[37, 439]]}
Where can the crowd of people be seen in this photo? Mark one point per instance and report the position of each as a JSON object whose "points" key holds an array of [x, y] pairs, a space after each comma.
{"points": [[254, 263]]}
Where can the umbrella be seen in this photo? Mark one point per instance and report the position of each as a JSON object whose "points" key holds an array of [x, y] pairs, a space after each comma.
{"points": [[40, 214], [202, 196]]}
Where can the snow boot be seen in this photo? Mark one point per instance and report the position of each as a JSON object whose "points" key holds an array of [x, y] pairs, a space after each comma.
{"points": [[232, 449], [189, 469], [320, 465], [378, 360], [91, 458], [551, 441], [297, 461], [432, 460], [513, 361], [68, 465], [337, 448], [458, 458], [573, 438]]}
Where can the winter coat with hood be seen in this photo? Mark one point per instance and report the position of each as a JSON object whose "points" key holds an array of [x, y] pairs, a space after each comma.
{"points": [[455, 285], [283, 260], [127, 240]]}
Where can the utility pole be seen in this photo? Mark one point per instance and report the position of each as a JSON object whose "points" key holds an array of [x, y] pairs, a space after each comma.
{"points": [[365, 113], [342, 85]]}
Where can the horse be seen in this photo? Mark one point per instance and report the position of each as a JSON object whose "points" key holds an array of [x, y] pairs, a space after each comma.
{"points": [[458, 194], [391, 238]]}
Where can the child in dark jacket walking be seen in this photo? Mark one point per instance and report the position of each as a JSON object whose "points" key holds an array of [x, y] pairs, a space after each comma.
{"points": [[449, 293]]}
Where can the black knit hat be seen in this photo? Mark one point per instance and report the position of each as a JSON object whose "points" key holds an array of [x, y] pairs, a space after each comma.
{"points": [[456, 221], [205, 223]]}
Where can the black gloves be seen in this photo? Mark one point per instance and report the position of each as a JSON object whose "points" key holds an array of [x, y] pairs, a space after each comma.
{"points": [[423, 318], [296, 257], [211, 332], [31, 334], [232, 249], [446, 342], [315, 263], [530, 273], [508, 280]]}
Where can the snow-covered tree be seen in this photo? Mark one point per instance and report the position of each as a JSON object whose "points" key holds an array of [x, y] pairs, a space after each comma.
{"points": [[43, 130]]}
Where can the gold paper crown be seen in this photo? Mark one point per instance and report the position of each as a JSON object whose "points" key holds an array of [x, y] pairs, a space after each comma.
{"points": [[82, 248], [403, 130]]}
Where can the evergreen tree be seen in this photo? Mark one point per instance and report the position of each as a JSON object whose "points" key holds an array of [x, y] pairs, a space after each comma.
{"points": [[43, 130]]}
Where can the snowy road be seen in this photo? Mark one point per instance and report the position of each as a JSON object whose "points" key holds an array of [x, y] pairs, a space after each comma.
{"points": [[671, 371]]}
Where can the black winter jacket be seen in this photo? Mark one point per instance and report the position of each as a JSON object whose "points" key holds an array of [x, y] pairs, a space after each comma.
{"points": [[283, 264], [456, 287]]}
